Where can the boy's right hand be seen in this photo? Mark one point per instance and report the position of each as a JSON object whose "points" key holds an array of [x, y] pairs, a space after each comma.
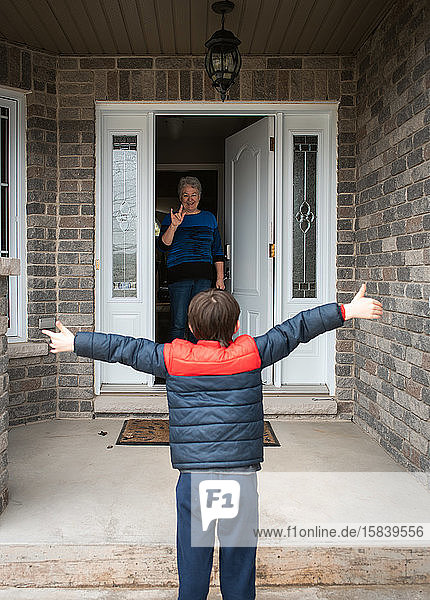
{"points": [[363, 308], [61, 342]]}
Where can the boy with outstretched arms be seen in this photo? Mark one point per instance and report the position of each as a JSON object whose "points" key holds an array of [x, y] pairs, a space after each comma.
{"points": [[214, 392]]}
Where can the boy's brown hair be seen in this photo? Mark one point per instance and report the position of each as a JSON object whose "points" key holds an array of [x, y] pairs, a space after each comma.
{"points": [[213, 315]]}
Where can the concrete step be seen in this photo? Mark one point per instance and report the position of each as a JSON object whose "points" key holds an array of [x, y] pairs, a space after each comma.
{"points": [[152, 566], [275, 405], [376, 592]]}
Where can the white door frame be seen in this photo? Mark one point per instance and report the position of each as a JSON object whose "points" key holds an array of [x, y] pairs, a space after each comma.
{"points": [[280, 112]]}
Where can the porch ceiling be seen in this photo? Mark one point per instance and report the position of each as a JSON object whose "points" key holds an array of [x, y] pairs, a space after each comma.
{"points": [[180, 27]]}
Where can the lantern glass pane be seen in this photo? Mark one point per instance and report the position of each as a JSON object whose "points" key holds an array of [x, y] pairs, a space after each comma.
{"points": [[229, 62], [216, 61]]}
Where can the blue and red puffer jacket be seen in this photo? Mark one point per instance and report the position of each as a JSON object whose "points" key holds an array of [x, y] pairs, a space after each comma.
{"points": [[214, 393]]}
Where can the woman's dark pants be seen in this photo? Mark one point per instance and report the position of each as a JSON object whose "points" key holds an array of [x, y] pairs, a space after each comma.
{"points": [[181, 293]]}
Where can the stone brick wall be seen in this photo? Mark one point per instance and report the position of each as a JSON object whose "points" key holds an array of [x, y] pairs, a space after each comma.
{"points": [[33, 380], [82, 80], [392, 400]]}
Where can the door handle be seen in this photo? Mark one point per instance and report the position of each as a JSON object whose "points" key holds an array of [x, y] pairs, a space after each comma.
{"points": [[227, 249]]}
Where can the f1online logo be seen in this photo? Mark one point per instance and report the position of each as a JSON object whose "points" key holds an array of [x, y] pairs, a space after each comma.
{"points": [[219, 499]]}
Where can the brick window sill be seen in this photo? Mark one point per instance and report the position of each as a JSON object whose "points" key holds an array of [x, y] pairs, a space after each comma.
{"points": [[24, 349]]}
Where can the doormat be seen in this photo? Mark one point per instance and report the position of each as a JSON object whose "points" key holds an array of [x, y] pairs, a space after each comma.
{"points": [[155, 432]]}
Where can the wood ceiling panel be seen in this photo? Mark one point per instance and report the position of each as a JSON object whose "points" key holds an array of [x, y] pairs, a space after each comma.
{"points": [[296, 25], [265, 22], [54, 26], [164, 12], [214, 21], [330, 22], [83, 22], [280, 26], [170, 27], [117, 26], [276, 11], [7, 29], [315, 19], [23, 23], [361, 29], [133, 25], [148, 18], [233, 20], [97, 16], [66, 20], [198, 26], [41, 18], [340, 34], [247, 26], [182, 25]]}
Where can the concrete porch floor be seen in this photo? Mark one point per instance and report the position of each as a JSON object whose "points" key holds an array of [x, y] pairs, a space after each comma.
{"points": [[82, 514]]}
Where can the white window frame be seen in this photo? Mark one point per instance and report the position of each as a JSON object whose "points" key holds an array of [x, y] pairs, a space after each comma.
{"points": [[15, 101]]}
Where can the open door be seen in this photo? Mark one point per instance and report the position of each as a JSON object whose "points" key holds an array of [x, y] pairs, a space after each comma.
{"points": [[249, 208]]}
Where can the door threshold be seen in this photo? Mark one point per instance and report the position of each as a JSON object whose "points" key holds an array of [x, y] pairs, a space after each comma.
{"points": [[159, 388], [296, 389], [156, 405], [118, 388]]}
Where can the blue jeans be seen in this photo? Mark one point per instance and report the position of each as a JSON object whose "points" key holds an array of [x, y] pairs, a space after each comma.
{"points": [[181, 293], [237, 564]]}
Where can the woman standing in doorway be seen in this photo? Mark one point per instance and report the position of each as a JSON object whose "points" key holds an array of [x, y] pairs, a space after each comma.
{"points": [[193, 243]]}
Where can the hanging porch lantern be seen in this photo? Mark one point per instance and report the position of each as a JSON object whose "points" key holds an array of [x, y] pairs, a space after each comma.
{"points": [[223, 60]]}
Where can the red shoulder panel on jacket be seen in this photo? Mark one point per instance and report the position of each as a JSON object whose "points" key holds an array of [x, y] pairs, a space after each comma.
{"points": [[210, 358]]}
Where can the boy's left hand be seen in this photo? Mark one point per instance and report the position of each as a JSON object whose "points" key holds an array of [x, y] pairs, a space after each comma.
{"points": [[363, 308]]}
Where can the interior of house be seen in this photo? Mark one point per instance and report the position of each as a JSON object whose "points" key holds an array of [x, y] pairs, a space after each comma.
{"points": [[182, 149]]}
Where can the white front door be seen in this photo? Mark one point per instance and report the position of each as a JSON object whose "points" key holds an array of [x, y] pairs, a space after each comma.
{"points": [[249, 203], [299, 210], [127, 232]]}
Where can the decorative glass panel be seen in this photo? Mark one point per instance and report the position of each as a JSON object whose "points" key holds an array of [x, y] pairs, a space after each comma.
{"points": [[304, 213], [124, 216], [4, 181]]}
